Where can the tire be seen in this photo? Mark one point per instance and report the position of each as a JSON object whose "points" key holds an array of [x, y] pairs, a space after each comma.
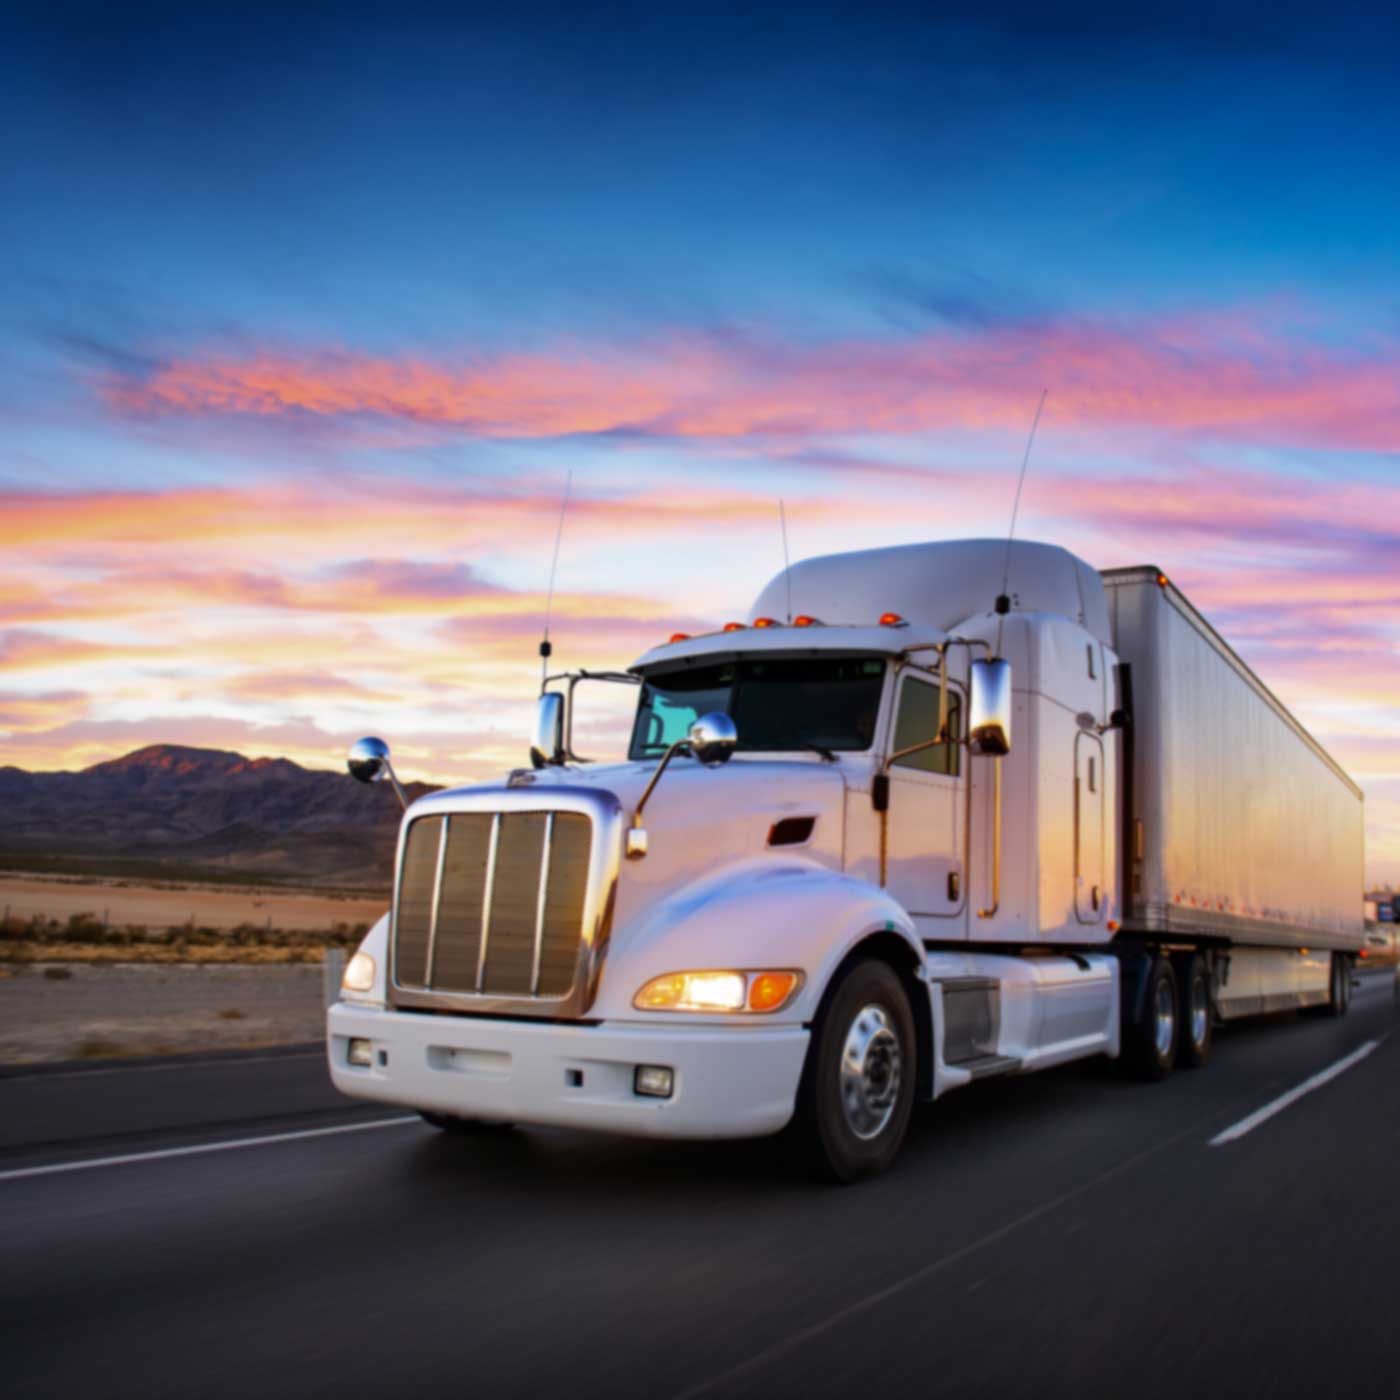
{"points": [[1338, 987], [857, 1090], [1150, 1042], [446, 1123], [1195, 1012]]}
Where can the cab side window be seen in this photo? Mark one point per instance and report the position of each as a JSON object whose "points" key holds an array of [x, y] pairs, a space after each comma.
{"points": [[916, 722]]}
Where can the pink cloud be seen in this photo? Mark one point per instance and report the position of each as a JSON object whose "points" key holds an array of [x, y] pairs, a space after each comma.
{"points": [[1226, 376]]}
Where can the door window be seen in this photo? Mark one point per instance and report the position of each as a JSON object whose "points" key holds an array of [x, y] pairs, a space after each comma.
{"points": [[916, 722]]}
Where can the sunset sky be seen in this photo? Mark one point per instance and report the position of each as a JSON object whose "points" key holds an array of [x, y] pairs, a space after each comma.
{"points": [[304, 320]]}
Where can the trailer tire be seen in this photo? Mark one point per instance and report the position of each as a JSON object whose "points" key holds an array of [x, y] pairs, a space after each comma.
{"points": [[448, 1123], [1338, 987], [857, 1089], [1150, 1042], [1195, 1013]]}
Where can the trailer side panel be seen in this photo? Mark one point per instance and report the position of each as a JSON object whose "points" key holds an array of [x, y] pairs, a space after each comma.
{"points": [[1249, 831]]}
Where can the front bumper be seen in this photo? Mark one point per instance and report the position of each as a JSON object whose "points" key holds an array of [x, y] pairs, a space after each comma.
{"points": [[730, 1081]]}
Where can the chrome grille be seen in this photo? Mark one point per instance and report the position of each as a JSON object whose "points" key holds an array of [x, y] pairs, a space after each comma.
{"points": [[492, 903]]}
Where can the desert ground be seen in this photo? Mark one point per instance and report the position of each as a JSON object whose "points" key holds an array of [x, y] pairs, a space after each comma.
{"points": [[66, 1011], [165, 905]]}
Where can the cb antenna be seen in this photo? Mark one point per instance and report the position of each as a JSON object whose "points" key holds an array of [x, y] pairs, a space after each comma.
{"points": [[787, 559], [1004, 598], [546, 649]]}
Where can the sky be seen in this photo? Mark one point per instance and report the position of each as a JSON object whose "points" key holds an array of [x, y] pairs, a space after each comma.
{"points": [[306, 318]]}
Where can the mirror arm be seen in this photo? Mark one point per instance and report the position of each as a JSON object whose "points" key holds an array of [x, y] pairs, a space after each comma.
{"points": [[996, 843], [397, 786], [636, 846]]}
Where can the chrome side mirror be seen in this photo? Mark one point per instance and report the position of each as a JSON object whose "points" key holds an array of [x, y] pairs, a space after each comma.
{"points": [[712, 738], [989, 708], [368, 762], [547, 743]]}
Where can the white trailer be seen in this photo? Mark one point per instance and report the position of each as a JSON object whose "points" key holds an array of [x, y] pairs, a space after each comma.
{"points": [[895, 832]]}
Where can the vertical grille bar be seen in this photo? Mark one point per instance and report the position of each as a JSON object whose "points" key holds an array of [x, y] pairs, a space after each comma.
{"points": [[540, 904], [486, 900], [437, 901]]}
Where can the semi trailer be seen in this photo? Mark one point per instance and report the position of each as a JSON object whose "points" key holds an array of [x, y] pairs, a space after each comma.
{"points": [[929, 814]]}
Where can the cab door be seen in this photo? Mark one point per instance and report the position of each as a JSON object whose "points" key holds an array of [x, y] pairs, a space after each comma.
{"points": [[1089, 894], [925, 831]]}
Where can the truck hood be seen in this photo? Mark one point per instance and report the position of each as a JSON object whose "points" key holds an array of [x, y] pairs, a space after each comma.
{"points": [[701, 818]]}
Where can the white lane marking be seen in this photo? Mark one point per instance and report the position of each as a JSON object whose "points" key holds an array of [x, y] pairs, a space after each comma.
{"points": [[1262, 1115], [54, 1168]]}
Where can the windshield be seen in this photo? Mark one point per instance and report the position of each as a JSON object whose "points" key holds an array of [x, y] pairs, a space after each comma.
{"points": [[775, 702]]}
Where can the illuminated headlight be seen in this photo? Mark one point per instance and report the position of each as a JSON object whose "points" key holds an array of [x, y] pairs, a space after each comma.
{"points": [[761, 991], [360, 1052], [359, 973]]}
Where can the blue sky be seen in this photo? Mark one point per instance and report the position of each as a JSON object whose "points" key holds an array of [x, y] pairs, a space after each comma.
{"points": [[299, 313]]}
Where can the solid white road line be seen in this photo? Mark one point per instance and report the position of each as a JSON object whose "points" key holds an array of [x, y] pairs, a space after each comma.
{"points": [[1262, 1115], [54, 1168]]}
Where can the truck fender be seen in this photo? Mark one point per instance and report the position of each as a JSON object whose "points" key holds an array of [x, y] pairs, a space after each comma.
{"points": [[759, 913]]}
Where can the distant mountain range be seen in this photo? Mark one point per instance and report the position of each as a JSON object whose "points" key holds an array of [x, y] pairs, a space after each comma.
{"points": [[206, 810]]}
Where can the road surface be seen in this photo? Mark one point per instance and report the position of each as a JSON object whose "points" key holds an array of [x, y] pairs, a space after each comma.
{"points": [[1071, 1233]]}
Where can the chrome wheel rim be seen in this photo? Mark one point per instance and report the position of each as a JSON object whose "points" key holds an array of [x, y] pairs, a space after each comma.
{"points": [[872, 1066], [1166, 1018], [1200, 1012]]}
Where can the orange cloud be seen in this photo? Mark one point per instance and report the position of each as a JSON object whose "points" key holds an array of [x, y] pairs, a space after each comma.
{"points": [[21, 711], [1179, 376]]}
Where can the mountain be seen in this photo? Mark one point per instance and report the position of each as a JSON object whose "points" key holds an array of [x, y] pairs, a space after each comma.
{"points": [[186, 807]]}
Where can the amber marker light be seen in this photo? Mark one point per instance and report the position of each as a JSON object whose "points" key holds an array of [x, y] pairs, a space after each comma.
{"points": [[722, 991], [891, 620], [733, 626], [770, 990], [802, 620], [765, 622], [1162, 580], [680, 636]]}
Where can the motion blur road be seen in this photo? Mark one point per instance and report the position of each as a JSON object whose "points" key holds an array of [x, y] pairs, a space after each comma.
{"points": [[1071, 1233]]}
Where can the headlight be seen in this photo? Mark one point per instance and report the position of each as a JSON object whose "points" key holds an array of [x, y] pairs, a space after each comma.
{"points": [[719, 991], [359, 974]]}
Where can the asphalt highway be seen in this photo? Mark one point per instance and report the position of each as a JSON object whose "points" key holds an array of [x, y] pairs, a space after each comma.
{"points": [[1070, 1233]]}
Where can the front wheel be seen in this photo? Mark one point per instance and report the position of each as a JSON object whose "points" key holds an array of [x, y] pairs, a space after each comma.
{"points": [[857, 1090]]}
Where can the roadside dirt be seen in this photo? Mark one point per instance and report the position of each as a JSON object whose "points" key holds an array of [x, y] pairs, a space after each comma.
{"points": [[210, 906], [92, 1011]]}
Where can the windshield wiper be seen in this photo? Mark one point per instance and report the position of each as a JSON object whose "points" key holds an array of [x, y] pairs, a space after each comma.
{"points": [[826, 753]]}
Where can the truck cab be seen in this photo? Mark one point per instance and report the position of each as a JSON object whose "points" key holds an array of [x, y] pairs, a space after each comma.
{"points": [[869, 844]]}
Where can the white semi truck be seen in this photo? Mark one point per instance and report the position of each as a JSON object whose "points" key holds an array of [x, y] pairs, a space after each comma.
{"points": [[930, 814]]}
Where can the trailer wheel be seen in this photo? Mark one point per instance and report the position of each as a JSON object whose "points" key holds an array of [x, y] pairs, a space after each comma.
{"points": [[1338, 987], [857, 1090], [1150, 1044], [1196, 1012], [447, 1123]]}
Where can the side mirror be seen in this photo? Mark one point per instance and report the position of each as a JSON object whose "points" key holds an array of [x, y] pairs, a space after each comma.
{"points": [[368, 762], [712, 738], [547, 743], [989, 708]]}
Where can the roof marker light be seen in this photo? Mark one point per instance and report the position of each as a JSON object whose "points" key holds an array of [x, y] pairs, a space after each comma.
{"points": [[765, 622], [680, 637], [1162, 580], [892, 620], [802, 620], [733, 626]]}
